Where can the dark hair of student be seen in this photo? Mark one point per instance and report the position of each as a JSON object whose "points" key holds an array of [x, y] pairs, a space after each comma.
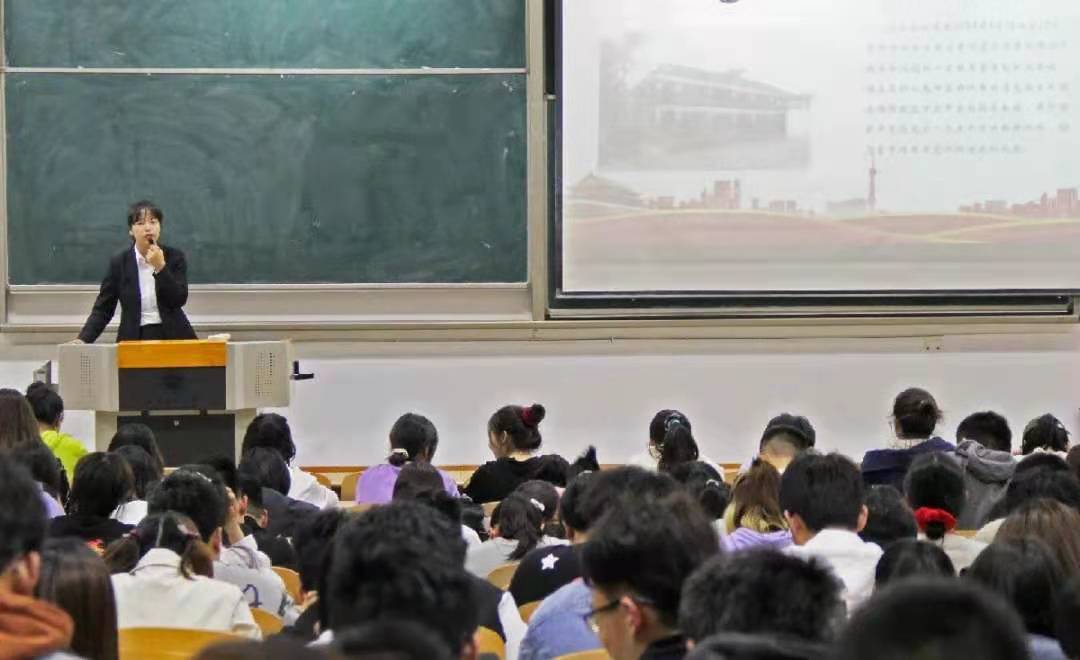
{"points": [[1045, 432], [705, 485], [908, 558], [825, 490], [916, 413], [741, 646], [389, 639], [678, 445], [756, 499], [935, 490], [1066, 614], [141, 436], [102, 482], [314, 541], [521, 425], [570, 502], [278, 647], [794, 430], [141, 209], [423, 483], [1025, 573], [544, 493], [225, 467], [1045, 483], [1073, 460], [194, 495], [412, 438], [43, 466], [47, 405], [17, 422], [1041, 461], [402, 561], [271, 431], [251, 489], [658, 427], [933, 619], [586, 462], [144, 469], [1053, 523], [889, 518], [22, 516], [989, 429], [763, 591], [168, 530], [519, 518], [74, 578], [267, 467], [650, 546], [607, 487]]}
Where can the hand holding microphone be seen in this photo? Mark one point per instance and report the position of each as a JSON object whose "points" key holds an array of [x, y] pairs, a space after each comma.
{"points": [[155, 256]]}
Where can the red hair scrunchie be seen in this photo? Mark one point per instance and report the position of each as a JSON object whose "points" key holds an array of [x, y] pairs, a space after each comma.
{"points": [[925, 516], [527, 416]]}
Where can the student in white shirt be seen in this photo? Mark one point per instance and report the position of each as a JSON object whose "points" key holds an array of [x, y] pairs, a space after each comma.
{"points": [[207, 502], [147, 474], [935, 490], [823, 499], [163, 579], [272, 431]]}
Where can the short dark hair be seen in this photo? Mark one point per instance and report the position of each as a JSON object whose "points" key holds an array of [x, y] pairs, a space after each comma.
{"points": [[313, 540], [270, 430], [194, 495], [1061, 486], [102, 482], [1067, 613], [988, 428], [416, 436], [916, 413], [520, 423], [705, 485], [268, 468], [1026, 573], [825, 490], [75, 579], [250, 488], [142, 208], [606, 487], [936, 481], [796, 428], [571, 501], [762, 591], [144, 469], [650, 546], [1045, 432], [22, 516], [47, 404], [139, 435], [400, 561], [889, 518], [43, 466], [933, 620], [1041, 461], [909, 558], [225, 466], [389, 639], [740, 646]]}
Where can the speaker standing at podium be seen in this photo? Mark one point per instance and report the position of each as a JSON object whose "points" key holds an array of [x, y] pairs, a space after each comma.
{"points": [[150, 283]]}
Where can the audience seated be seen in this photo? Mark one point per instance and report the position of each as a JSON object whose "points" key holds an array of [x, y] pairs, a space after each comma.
{"points": [[271, 431], [935, 491], [413, 439], [933, 620], [517, 526], [75, 578], [912, 558], [707, 487], [1040, 475], [678, 446], [255, 520], [1047, 434], [209, 505], [785, 436], [558, 626], [635, 563], [163, 578], [422, 481], [139, 435], [984, 448], [915, 416], [389, 639], [764, 592], [102, 482], [888, 517], [284, 513], [514, 438], [146, 475], [49, 411], [823, 499], [663, 422], [1026, 574], [20, 439], [754, 517], [29, 627], [314, 544], [1053, 523], [1066, 614], [548, 496]]}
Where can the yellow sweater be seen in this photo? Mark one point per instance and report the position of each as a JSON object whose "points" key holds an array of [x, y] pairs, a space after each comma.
{"points": [[66, 448]]}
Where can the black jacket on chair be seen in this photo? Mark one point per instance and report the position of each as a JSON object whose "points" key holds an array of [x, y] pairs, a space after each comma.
{"points": [[121, 284]]}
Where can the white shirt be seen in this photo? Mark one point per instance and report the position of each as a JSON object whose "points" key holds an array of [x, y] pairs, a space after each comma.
{"points": [[480, 560], [156, 595], [130, 513], [850, 558], [243, 566], [147, 291], [962, 551], [513, 626], [307, 488]]}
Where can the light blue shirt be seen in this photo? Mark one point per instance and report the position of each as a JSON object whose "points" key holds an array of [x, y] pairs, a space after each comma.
{"points": [[558, 626]]}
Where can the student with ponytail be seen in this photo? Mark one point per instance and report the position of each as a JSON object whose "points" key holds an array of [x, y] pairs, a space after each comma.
{"points": [[935, 491], [162, 576], [514, 438], [670, 434], [413, 439], [915, 416], [707, 487], [516, 528]]}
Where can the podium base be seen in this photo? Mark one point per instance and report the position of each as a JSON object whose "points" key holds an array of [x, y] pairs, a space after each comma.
{"points": [[185, 436]]}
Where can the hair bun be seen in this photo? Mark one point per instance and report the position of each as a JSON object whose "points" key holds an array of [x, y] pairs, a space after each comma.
{"points": [[532, 415]]}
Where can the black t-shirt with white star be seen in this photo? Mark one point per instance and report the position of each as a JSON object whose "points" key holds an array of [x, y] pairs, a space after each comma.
{"points": [[543, 571]]}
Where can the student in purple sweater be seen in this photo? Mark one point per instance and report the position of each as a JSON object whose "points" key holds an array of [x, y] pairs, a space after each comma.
{"points": [[413, 438]]}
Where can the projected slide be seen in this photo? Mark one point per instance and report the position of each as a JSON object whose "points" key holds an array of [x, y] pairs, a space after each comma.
{"points": [[850, 145]]}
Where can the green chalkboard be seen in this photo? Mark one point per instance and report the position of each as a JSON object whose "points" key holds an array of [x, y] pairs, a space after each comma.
{"points": [[294, 179], [266, 33]]}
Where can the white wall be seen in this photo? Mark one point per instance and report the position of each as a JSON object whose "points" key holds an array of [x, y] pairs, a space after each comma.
{"points": [[605, 392]]}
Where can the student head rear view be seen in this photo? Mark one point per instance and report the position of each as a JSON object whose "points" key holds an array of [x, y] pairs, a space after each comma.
{"points": [[935, 490], [413, 440], [271, 431], [914, 419]]}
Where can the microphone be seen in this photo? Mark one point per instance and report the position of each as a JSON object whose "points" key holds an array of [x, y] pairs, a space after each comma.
{"points": [[150, 241]]}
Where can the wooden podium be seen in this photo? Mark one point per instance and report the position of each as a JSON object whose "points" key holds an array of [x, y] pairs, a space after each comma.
{"points": [[198, 396]]}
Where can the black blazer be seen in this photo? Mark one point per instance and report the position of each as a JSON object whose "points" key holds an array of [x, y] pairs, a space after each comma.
{"points": [[121, 284]]}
